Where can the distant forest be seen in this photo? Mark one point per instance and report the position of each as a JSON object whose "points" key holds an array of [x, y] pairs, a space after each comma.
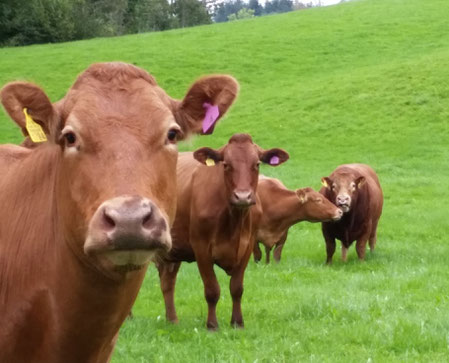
{"points": [[24, 22]]}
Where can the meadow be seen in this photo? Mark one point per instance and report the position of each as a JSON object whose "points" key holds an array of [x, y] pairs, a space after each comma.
{"points": [[365, 81]]}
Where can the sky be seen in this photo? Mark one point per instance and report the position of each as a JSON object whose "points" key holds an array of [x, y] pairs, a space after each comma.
{"points": [[324, 2]]}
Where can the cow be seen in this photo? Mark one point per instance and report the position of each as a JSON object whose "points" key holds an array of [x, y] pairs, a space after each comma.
{"points": [[83, 213], [282, 208], [355, 189], [216, 219]]}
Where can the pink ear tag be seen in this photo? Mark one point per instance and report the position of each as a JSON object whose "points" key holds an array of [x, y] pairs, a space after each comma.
{"points": [[274, 160], [212, 113]]}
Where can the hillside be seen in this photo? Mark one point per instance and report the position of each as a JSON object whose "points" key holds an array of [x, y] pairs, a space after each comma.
{"points": [[365, 81]]}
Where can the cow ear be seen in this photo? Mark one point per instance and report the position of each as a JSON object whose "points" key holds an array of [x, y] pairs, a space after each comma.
{"points": [[208, 156], [31, 110], [207, 100], [360, 181], [302, 195], [273, 157], [326, 182]]}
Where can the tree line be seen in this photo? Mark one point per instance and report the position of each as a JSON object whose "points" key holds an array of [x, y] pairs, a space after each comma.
{"points": [[24, 22]]}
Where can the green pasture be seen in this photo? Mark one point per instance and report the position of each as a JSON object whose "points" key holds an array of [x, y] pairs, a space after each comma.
{"points": [[365, 81]]}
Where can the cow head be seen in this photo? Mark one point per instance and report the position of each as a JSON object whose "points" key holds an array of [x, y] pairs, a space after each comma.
{"points": [[115, 135], [343, 189], [316, 207], [240, 159]]}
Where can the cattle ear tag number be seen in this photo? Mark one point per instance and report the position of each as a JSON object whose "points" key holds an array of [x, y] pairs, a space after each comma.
{"points": [[34, 129], [210, 162], [212, 113]]}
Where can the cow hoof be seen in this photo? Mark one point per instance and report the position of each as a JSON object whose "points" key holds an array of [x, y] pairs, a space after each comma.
{"points": [[238, 325], [212, 327]]}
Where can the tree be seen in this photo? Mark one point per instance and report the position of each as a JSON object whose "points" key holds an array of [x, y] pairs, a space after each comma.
{"points": [[244, 13], [255, 5], [190, 12]]}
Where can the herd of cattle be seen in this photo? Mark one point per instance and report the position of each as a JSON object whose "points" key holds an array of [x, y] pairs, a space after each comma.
{"points": [[97, 190]]}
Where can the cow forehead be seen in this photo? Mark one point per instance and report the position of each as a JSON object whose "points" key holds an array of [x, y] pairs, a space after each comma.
{"points": [[141, 108], [240, 152]]}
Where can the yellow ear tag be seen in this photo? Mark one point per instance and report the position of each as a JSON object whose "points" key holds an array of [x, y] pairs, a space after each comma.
{"points": [[324, 183], [34, 129], [210, 162]]}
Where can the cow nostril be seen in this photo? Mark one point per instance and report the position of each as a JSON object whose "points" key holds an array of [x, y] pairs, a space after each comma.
{"points": [[146, 219], [109, 222]]}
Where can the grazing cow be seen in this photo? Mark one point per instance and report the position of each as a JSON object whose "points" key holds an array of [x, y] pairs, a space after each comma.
{"points": [[282, 208], [215, 223], [355, 189], [83, 213]]}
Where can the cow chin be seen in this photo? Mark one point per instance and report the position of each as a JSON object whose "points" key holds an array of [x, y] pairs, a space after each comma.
{"points": [[125, 261], [345, 208]]}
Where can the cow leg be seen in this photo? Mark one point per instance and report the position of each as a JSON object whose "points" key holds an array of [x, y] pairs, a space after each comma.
{"points": [[211, 288], [167, 276], [236, 288], [373, 237], [257, 252], [344, 253], [267, 254], [330, 248], [279, 246]]}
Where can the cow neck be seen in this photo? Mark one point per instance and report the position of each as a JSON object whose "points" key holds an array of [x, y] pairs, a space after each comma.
{"points": [[284, 207], [28, 229]]}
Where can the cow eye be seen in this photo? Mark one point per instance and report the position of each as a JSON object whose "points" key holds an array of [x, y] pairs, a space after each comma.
{"points": [[226, 166], [70, 138], [256, 166], [173, 135]]}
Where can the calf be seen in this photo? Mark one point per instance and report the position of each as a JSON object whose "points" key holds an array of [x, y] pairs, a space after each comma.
{"points": [[216, 220], [355, 189], [83, 213], [282, 208]]}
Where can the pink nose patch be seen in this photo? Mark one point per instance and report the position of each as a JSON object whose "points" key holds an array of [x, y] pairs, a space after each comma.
{"points": [[274, 160], [212, 113]]}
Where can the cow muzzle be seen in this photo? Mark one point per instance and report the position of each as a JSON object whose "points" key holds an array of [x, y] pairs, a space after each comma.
{"points": [[243, 199], [344, 202], [128, 231]]}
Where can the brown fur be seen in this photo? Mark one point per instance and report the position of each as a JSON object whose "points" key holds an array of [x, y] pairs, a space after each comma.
{"points": [[56, 303], [211, 225], [360, 222], [282, 208]]}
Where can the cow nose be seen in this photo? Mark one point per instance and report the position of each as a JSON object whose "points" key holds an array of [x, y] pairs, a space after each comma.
{"points": [[343, 199], [338, 214], [243, 197], [130, 217], [128, 223]]}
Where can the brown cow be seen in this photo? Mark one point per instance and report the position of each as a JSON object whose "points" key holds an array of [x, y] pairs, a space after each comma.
{"points": [[282, 208], [83, 214], [214, 222], [355, 189]]}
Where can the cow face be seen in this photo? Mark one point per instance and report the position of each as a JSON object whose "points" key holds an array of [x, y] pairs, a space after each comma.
{"points": [[316, 207], [343, 189], [240, 160], [115, 134]]}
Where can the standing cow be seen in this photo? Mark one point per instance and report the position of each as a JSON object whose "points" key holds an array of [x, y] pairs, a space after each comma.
{"points": [[282, 208], [83, 213], [355, 189], [216, 219]]}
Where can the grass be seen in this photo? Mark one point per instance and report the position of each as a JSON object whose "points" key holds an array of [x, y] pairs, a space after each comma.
{"points": [[365, 81]]}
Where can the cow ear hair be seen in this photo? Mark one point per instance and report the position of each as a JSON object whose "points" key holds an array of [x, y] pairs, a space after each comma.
{"points": [[326, 182], [206, 153], [302, 195], [19, 98], [360, 181], [273, 157], [207, 100]]}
